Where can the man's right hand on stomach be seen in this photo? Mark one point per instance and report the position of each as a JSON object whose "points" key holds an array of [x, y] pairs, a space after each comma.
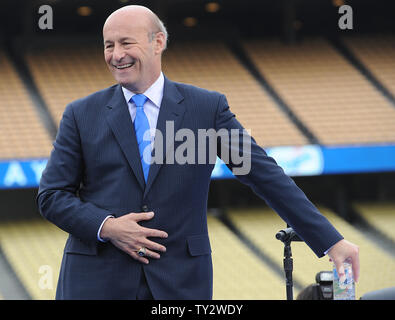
{"points": [[126, 234]]}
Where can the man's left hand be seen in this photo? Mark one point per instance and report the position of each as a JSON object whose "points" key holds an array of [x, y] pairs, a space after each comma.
{"points": [[342, 251]]}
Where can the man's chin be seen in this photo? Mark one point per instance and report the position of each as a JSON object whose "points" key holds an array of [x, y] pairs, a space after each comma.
{"points": [[126, 82], [131, 86]]}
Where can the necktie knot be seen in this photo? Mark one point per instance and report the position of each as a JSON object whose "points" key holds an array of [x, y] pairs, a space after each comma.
{"points": [[139, 100]]}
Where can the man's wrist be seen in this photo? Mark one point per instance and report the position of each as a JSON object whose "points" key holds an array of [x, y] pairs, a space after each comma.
{"points": [[104, 234]]}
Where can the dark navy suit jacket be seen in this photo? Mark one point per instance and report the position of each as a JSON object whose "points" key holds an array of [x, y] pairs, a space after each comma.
{"points": [[94, 170]]}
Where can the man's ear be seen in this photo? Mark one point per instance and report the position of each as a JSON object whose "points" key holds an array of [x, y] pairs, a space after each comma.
{"points": [[160, 42]]}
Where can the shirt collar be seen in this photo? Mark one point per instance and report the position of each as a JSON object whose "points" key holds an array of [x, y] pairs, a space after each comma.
{"points": [[154, 93]]}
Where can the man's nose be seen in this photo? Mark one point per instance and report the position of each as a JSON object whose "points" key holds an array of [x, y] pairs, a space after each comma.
{"points": [[118, 54]]}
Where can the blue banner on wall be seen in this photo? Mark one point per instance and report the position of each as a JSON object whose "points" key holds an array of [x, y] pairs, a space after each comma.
{"points": [[316, 160], [21, 173], [296, 161]]}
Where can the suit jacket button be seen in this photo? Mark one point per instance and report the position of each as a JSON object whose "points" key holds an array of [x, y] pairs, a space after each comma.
{"points": [[144, 208]]}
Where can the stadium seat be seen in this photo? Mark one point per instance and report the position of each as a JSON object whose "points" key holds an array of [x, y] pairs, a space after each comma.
{"points": [[326, 92]]}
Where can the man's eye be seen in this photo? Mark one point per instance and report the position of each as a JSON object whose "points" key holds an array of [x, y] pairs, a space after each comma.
{"points": [[108, 46]]}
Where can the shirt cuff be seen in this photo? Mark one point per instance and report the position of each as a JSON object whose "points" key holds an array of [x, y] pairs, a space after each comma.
{"points": [[98, 231], [325, 252]]}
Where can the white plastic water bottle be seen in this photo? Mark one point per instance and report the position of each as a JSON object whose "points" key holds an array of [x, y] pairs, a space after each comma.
{"points": [[344, 287]]}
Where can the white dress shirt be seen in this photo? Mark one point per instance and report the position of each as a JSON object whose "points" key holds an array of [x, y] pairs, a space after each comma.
{"points": [[151, 109], [152, 106]]}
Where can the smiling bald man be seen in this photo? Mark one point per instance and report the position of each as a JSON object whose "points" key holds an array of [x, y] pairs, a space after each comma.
{"points": [[137, 228]]}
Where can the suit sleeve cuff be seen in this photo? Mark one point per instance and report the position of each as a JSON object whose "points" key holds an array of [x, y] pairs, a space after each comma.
{"points": [[326, 252]]}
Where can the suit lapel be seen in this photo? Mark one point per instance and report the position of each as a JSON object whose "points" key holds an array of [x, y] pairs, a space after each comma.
{"points": [[171, 110], [120, 122]]}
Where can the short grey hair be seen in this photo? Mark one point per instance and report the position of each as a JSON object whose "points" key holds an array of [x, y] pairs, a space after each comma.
{"points": [[159, 27]]}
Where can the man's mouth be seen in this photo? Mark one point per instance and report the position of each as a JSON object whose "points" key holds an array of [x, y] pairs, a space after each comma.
{"points": [[124, 66]]}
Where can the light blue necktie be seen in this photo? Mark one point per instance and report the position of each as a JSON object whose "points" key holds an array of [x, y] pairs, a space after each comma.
{"points": [[141, 125]]}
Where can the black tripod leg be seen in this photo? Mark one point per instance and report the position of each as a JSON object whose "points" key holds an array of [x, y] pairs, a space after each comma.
{"points": [[288, 268]]}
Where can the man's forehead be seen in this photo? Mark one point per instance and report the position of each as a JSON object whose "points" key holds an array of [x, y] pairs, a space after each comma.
{"points": [[122, 31]]}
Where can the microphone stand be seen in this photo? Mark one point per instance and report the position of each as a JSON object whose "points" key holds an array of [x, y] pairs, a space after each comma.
{"points": [[287, 236]]}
